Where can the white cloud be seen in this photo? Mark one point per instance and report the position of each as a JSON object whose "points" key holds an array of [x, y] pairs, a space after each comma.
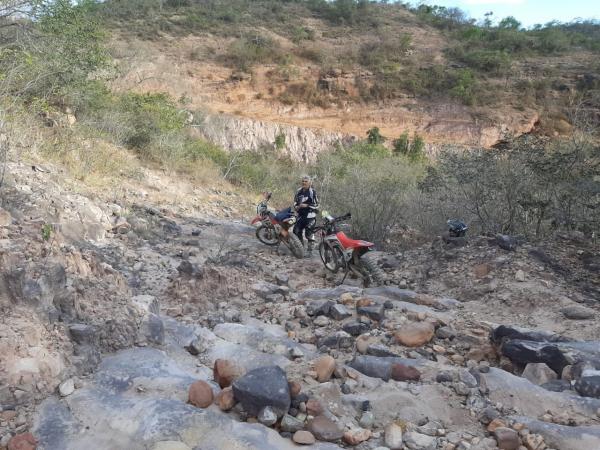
{"points": [[494, 2]]}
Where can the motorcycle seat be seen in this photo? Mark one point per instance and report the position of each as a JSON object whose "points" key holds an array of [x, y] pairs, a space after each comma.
{"points": [[352, 243]]}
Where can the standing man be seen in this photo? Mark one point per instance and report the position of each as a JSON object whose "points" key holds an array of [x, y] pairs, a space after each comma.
{"points": [[306, 203]]}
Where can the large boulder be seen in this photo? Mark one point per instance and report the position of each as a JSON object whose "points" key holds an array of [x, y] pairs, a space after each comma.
{"points": [[265, 386], [588, 386]]}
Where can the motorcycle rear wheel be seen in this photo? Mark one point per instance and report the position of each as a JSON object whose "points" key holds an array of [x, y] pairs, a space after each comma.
{"points": [[332, 256], [267, 235], [295, 245]]}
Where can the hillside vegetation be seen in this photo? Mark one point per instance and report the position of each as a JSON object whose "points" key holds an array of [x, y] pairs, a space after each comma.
{"points": [[57, 69]]}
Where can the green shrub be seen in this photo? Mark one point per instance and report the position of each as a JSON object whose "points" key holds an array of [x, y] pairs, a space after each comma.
{"points": [[374, 136], [385, 53], [305, 92], [401, 144], [496, 62], [252, 49], [279, 141], [150, 116], [531, 188], [464, 86], [416, 151]]}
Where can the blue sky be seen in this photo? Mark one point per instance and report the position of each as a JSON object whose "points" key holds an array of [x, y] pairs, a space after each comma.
{"points": [[528, 12]]}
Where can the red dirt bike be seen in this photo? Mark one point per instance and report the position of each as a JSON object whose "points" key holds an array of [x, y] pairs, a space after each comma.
{"points": [[277, 227], [340, 253]]}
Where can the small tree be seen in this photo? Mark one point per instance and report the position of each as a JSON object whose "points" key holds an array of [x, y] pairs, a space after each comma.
{"points": [[509, 23], [374, 136], [416, 149], [401, 144]]}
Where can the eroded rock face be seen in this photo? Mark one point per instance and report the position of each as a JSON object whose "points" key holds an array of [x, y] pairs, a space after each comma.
{"points": [[301, 144]]}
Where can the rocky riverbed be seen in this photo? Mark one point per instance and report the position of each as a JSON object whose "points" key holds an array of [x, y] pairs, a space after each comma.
{"points": [[133, 322]]}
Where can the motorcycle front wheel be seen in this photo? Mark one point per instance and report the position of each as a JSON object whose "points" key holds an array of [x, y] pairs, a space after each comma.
{"points": [[295, 246], [267, 235], [331, 256]]}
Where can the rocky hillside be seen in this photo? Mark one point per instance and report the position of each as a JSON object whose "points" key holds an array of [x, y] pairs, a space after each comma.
{"points": [[130, 320], [396, 69]]}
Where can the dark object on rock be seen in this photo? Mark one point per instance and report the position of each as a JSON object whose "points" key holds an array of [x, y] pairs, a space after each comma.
{"points": [[488, 414], [401, 372], [588, 386], [508, 332], [457, 228], [375, 312], [341, 339], [319, 307], [355, 328], [379, 350], [187, 268], [444, 377], [265, 386], [82, 333], [524, 352], [557, 385], [339, 312]]}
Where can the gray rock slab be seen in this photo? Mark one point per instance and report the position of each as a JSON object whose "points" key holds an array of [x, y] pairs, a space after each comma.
{"points": [[112, 412], [329, 293], [262, 340], [529, 399], [564, 437]]}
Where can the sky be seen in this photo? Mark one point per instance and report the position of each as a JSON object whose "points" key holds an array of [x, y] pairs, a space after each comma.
{"points": [[528, 12]]}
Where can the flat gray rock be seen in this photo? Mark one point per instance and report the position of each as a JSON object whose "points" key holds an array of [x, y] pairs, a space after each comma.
{"points": [[564, 437], [527, 398], [138, 398]]}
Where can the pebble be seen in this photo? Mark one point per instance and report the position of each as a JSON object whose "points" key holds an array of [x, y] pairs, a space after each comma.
{"points": [[200, 394], [321, 321], [291, 424], [367, 420], [393, 436], [324, 429], [356, 436], [324, 367], [303, 437], [267, 416], [66, 387], [506, 438], [225, 399]]}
